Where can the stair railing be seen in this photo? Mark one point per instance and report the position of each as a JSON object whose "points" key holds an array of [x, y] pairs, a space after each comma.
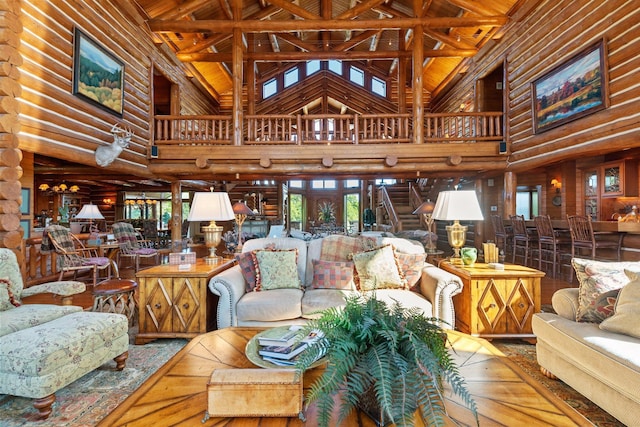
{"points": [[385, 202], [415, 200]]}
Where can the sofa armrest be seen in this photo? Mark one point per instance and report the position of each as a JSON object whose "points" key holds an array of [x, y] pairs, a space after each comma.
{"points": [[439, 287], [229, 285], [565, 303]]}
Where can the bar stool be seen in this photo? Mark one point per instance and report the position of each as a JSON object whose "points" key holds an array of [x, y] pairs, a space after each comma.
{"points": [[502, 233], [551, 245], [522, 240], [116, 296], [583, 237]]}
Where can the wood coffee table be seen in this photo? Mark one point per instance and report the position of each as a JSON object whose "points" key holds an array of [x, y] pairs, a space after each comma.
{"points": [[177, 393]]}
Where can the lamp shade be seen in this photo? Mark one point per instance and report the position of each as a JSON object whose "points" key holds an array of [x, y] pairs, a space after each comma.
{"points": [[425, 208], [210, 206], [457, 205], [89, 211], [240, 208]]}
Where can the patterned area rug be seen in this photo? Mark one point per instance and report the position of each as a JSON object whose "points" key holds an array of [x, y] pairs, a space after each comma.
{"points": [[524, 355], [90, 398]]}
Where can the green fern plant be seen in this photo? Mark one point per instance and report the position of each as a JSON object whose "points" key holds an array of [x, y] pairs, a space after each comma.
{"points": [[398, 353]]}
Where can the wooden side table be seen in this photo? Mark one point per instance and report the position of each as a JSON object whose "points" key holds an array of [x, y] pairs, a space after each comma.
{"points": [[496, 303], [176, 303]]}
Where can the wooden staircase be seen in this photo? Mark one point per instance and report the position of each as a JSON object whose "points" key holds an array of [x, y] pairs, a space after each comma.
{"points": [[399, 198]]}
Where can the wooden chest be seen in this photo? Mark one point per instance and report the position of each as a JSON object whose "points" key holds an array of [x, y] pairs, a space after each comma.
{"points": [[254, 393]]}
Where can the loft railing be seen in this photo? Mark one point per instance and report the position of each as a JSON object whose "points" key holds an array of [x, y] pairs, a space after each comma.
{"points": [[327, 128]]}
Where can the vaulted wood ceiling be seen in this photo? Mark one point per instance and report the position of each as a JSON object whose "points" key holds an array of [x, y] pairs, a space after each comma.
{"points": [[375, 33]]}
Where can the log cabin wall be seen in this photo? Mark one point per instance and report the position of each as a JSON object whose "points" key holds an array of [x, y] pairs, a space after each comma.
{"points": [[71, 127]]}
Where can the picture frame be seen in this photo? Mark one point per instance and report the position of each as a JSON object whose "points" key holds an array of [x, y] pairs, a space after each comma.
{"points": [[98, 76], [25, 206], [26, 226], [574, 89]]}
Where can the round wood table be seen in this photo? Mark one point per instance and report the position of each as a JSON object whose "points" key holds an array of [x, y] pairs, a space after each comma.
{"points": [[116, 296]]}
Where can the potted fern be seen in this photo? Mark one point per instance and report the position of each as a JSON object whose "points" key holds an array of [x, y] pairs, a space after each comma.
{"points": [[385, 355]]}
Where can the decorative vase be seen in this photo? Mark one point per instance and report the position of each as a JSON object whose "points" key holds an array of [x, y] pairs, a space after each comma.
{"points": [[469, 256]]}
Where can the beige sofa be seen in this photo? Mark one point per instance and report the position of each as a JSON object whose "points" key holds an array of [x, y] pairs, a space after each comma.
{"points": [[602, 365], [432, 292]]}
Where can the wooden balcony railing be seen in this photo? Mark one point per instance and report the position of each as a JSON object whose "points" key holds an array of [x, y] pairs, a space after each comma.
{"points": [[327, 128]]}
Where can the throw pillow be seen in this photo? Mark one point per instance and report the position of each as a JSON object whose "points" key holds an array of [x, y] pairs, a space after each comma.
{"points": [[332, 275], [411, 266], [378, 269], [595, 278], [248, 269], [604, 304], [626, 317], [337, 247], [276, 269]]}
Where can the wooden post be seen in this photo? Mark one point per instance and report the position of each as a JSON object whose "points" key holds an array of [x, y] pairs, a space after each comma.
{"points": [[237, 75], [510, 184], [418, 108], [176, 212]]}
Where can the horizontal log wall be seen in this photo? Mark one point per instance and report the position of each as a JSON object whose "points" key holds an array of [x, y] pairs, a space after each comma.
{"points": [[65, 124], [536, 41]]}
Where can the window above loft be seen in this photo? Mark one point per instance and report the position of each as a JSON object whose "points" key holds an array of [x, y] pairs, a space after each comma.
{"points": [[323, 184], [296, 183], [378, 86], [385, 181], [291, 76], [269, 88], [352, 183], [335, 66], [356, 75], [313, 67]]}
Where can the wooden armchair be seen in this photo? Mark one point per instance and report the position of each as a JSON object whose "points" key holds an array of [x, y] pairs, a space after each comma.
{"points": [[72, 255], [132, 246]]}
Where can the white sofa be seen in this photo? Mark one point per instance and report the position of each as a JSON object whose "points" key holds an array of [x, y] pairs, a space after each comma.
{"points": [[603, 366], [237, 307]]}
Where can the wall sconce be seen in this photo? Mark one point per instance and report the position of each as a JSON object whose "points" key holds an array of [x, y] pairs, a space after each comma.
{"points": [[108, 202], [556, 184], [60, 188]]}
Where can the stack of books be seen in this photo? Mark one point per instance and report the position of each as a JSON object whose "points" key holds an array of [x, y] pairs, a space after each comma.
{"points": [[281, 346]]}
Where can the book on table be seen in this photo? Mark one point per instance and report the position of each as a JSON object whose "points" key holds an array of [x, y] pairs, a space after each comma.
{"points": [[279, 337], [280, 352]]}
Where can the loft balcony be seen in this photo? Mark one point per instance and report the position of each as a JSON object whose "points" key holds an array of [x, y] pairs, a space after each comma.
{"points": [[370, 143]]}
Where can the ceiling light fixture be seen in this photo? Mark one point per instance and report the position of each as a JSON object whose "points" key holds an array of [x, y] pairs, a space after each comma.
{"points": [[60, 188]]}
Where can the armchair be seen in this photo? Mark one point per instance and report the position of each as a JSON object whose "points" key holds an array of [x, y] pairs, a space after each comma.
{"points": [[72, 255], [131, 246]]}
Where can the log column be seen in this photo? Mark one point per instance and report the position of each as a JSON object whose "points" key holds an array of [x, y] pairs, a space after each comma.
{"points": [[176, 213], [10, 153], [418, 58], [237, 75]]}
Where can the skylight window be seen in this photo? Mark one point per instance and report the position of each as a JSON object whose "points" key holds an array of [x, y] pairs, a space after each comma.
{"points": [[326, 184], [356, 75], [335, 65], [269, 88], [313, 67], [291, 76], [378, 86]]}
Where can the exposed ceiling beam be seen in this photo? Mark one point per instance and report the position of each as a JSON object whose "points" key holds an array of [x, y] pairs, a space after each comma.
{"points": [[257, 26]]}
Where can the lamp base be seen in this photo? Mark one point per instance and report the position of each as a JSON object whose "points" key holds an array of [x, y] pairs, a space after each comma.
{"points": [[212, 259]]}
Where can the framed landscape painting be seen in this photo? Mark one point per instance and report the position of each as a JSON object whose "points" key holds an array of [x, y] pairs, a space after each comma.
{"points": [[98, 76], [572, 90]]}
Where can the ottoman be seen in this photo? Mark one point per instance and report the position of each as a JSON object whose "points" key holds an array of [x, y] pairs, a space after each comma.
{"points": [[38, 361]]}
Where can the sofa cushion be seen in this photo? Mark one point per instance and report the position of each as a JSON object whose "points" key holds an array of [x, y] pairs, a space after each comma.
{"points": [[248, 269], [626, 317], [274, 305], [337, 247], [411, 266], [30, 315], [276, 269], [406, 298], [378, 269], [595, 278], [315, 301], [332, 275]]}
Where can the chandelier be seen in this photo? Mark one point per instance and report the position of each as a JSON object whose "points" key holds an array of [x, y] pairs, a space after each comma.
{"points": [[140, 202], [60, 188]]}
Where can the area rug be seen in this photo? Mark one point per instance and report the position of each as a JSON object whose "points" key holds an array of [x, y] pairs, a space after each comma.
{"points": [[524, 355], [90, 398]]}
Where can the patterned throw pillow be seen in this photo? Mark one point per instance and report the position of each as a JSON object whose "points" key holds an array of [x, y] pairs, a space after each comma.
{"points": [[378, 269], [276, 269], [248, 269], [332, 275], [626, 317], [596, 278], [411, 266], [337, 247], [605, 303]]}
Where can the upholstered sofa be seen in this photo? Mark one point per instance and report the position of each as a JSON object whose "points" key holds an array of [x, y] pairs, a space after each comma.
{"points": [[598, 356], [44, 347], [428, 287]]}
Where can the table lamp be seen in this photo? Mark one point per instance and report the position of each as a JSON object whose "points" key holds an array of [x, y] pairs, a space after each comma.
{"points": [[426, 210], [91, 212], [241, 211], [457, 206], [212, 206]]}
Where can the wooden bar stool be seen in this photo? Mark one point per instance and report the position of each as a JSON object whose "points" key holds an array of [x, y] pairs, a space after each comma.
{"points": [[116, 296], [522, 241], [552, 246]]}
